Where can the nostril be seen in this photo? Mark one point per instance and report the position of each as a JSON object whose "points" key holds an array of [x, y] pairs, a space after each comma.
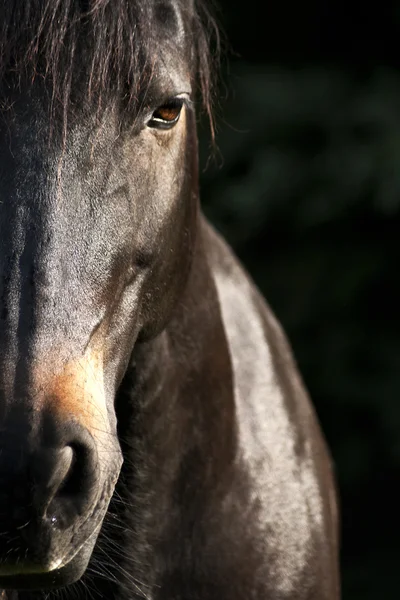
{"points": [[72, 481], [62, 469], [62, 483], [72, 488]]}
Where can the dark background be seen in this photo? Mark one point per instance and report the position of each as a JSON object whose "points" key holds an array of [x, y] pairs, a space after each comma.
{"points": [[306, 187]]}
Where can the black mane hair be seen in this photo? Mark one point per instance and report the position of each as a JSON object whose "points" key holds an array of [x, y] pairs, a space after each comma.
{"points": [[113, 40]]}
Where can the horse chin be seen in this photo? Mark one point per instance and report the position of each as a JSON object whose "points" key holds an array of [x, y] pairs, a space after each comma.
{"points": [[58, 577]]}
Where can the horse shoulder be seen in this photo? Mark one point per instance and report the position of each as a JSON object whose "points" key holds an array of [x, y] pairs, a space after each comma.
{"points": [[280, 448]]}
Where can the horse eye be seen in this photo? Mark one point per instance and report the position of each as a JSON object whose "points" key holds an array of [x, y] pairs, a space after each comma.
{"points": [[166, 115]]}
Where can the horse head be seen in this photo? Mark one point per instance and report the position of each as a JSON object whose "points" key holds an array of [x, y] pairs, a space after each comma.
{"points": [[98, 217]]}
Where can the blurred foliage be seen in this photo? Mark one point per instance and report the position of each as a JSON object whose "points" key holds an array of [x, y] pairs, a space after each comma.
{"points": [[307, 191]]}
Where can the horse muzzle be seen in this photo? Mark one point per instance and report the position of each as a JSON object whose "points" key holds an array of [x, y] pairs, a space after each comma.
{"points": [[56, 481]]}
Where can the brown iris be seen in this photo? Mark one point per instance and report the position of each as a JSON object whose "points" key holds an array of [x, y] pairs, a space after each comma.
{"points": [[166, 115]]}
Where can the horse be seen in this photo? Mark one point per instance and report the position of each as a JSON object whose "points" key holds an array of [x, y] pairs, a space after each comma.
{"points": [[156, 438]]}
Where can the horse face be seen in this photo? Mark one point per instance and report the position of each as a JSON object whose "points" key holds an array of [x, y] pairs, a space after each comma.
{"points": [[95, 237]]}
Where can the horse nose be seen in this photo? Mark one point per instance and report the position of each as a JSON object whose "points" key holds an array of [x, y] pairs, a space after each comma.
{"points": [[64, 478], [57, 484], [53, 474], [64, 483]]}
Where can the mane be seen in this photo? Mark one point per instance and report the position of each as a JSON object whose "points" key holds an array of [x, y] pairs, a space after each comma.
{"points": [[112, 41]]}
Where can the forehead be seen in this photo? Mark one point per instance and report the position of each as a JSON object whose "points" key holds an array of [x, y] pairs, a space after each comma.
{"points": [[171, 15], [138, 52], [95, 49]]}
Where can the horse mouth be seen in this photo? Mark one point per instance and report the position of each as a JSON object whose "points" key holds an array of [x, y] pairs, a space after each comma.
{"points": [[71, 562], [59, 573]]}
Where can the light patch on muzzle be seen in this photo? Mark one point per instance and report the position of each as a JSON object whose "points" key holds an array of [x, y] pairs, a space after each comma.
{"points": [[76, 391]]}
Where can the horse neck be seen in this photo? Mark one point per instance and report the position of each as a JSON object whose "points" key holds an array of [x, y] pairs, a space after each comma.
{"points": [[178, 427]]}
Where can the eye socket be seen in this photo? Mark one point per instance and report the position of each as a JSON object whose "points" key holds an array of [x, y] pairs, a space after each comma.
{"points": [[167, 115]]}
